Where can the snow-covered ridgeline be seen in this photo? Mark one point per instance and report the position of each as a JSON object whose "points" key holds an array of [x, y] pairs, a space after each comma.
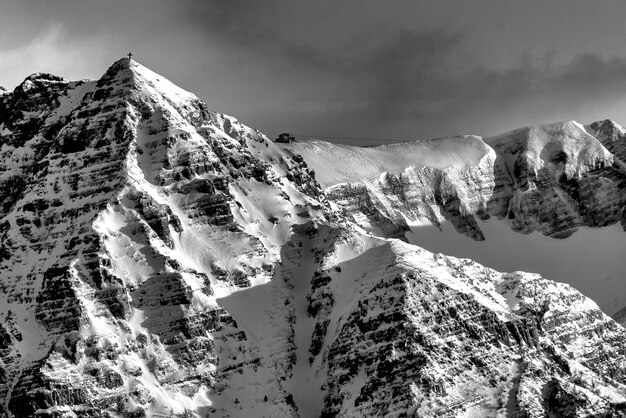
{"points": [[551, 180]]}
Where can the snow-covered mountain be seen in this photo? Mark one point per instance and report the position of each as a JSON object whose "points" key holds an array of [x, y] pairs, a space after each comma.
{"points": [[158, 259], [472, 197]]}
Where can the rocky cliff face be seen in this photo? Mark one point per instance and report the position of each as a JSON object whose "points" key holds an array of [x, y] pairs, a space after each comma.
{"points": [[158, 259], [552, 179]]}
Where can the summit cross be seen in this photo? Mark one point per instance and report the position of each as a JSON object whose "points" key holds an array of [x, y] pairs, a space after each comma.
{"points": [[130, 56]]}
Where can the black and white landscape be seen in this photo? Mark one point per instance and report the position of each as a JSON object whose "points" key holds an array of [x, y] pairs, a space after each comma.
{"points": [[160, 259], [440, 231]]}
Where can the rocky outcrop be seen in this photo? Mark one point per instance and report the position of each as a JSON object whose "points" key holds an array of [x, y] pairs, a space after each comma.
{"points": [[612, 137]]}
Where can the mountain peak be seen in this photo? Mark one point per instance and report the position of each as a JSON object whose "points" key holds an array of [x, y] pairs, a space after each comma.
{"points": [[130, 73]]}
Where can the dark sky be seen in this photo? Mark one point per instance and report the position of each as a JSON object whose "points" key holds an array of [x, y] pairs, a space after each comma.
{"points": [[352, 68]]}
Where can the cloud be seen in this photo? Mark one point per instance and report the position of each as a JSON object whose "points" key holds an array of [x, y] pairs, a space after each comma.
{"points": [[328, 68], [417, 84], [52, 50], [370, 79]]}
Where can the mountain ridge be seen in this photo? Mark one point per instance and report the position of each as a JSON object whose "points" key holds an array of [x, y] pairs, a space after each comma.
{"points": [[554, 179], [158, 258]]}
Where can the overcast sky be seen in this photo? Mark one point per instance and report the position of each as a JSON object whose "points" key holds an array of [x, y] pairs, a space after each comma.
{"points": [[350, 68]]}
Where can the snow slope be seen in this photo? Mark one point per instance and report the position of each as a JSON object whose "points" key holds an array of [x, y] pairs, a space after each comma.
{"points": [[338, 163]]}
